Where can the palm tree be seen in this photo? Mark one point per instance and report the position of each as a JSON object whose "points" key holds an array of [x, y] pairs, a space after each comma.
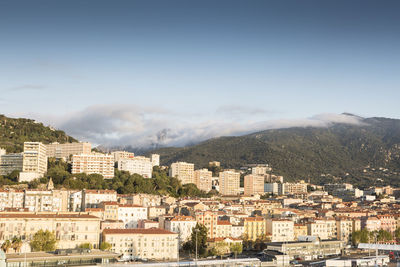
{"points": [[16, 244], [6, 246]]}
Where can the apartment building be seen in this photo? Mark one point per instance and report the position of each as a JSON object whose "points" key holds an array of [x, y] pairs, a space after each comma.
{"points": [[92, 198], [237, 230], [139, 165], [229, 183], [71, 230], [155, 159], [152, 244], [260, 170], [344, 228], [254, 227], [182, 225], [183, 171], [10, 162], [131, 214], [34, 163], [223, 229], [294, 188], [119, 155], [203, 179], [141, 199], [209, 219], [64, 151], [75, 201], [323, 228], [93, 163], [299, 230], [388, 222], [371, 223], [280, 230], [46, 200], [11, 199], [253, 184]]}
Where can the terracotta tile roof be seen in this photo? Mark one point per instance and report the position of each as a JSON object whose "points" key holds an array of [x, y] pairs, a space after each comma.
{"points": [[223, 223], [254, 219], [100, 191], [183, 218], [150, 231]]}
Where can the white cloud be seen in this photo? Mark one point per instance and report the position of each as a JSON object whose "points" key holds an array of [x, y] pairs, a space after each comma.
{"points": [[132, 125]]}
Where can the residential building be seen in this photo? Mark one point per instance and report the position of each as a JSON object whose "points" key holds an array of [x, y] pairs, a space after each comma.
{"points": [[92, 198], [71, 230], [210, 220], [223, 229], [260, 170], [344, 228], [64, 151], [147, 224], [131, 214], [322, 228], [182, 225], [294, 188], [10, 162], [202, 179], [371, 223], [214, 163], [34, 163], [152, 244], [229, 183], [93, 163], [183, 171], [253, 184], [280, 230], [119, 155], [75, 201], [272, 188], [237, 230], [139, 165], [254, 227], [299, 230], [155, 160]]}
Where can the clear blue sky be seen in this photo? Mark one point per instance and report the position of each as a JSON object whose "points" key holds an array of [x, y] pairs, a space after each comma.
{"points": [[289, 59]]}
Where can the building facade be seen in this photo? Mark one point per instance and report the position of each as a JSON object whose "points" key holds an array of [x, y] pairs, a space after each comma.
{"points": [[229, 183], [94, 163], [203, 179], [64, 151], [183, 171]]}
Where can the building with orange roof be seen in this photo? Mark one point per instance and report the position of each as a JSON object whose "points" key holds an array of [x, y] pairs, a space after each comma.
{"points": [[254, 227], [182, 225]]}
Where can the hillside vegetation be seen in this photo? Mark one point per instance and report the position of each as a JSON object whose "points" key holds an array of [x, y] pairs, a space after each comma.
{"points": [[364, 154], [14, 132]]}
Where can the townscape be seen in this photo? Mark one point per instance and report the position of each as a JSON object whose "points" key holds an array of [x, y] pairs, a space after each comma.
{"points": [[250, 212]]}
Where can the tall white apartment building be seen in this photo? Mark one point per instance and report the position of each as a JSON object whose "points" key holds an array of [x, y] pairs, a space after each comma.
{"points": [[323, 228], [64, 151], [253, 184], [183, 171], [155, 159], [139, 165], [229, 183], [93, 163], [34, 161], [118, 155], [182, 225], [203, 179], [10, 162]]}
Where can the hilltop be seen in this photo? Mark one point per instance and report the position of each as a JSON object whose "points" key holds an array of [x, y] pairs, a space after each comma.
{"points": [[15, 131]]}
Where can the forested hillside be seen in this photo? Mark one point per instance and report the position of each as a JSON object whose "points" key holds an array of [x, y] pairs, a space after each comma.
{"points": [[14, 132], [362, 154]]}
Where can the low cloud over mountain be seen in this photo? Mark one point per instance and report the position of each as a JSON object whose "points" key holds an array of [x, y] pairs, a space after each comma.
{"points": [[142, 127]]}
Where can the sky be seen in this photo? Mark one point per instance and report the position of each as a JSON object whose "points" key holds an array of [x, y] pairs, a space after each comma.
{"points": [[142, 72]]}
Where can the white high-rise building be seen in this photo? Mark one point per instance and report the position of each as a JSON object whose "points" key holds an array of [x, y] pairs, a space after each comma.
{"points": [[138, 165], [64, 151], [118, 155], [183, 171], [93, 163], [34, 161], [203, 179], [229, 183], [155, 159]]}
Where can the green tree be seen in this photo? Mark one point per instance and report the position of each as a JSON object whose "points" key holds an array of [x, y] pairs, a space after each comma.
{"points": [[363, 236], [199, 235], [105, 246], [236, 248], [86, 246], [6, 246], [16, 244], [43, 241], [384, 236], [221, 248], [397, 234]]}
